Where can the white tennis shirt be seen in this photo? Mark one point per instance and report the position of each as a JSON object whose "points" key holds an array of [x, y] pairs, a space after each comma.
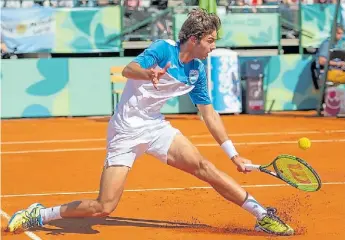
{"points": [[141, 102]]}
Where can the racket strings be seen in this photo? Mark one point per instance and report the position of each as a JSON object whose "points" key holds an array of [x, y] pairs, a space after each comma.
{"points": [[297, 174]]}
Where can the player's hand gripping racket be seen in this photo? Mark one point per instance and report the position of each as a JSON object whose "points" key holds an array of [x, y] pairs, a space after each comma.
{"points": [[291, 170]]}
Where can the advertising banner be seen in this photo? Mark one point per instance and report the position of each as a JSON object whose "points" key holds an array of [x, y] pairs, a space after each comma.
{"points": [[27, 30], [224, 81]]}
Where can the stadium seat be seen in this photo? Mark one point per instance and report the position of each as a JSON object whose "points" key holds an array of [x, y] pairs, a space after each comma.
{"points": [[117, 79]]}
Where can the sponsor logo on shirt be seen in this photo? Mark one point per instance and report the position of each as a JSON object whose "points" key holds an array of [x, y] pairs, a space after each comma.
{"points": [[193, 76]]}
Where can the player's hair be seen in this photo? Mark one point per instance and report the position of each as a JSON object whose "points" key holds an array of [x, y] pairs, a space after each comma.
{"points": [[198, 24]]}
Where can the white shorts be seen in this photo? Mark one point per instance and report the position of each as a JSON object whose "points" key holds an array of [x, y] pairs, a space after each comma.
{"points": [[125, 148]]}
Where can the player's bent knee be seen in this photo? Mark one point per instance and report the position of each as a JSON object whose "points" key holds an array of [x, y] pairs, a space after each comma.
{"points": [[203, 169], [108, 208], [105, 209]]}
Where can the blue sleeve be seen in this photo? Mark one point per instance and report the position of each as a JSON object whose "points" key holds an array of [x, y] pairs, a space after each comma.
{"points": [[323, 50], [199, 94], [153, 55]]}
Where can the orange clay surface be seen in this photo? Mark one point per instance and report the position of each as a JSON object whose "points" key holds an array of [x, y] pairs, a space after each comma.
{"points": [[58, 160]]}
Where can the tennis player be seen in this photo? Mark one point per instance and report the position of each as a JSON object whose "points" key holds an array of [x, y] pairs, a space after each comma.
{"points": [[164, 70]]}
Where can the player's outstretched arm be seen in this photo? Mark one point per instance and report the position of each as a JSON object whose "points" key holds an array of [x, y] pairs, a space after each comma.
{"points": [[216, 127], [134, 71]]}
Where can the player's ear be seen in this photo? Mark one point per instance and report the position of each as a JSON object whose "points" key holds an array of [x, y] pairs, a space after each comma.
{"points": [[193, 39]]}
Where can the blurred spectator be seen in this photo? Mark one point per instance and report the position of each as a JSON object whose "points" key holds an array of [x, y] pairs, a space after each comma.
{"points": [[246, 6], [162, 27], [254, 3], [132, 5], [323, 50], [290, 13], [5, 54], [3, 48], [322, 55]]}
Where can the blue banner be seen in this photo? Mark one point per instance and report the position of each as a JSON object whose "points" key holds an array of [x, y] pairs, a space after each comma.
{"points": [[27, 30]]}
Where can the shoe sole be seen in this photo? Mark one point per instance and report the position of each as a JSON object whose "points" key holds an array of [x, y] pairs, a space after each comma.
{"points": [[258, 228]]}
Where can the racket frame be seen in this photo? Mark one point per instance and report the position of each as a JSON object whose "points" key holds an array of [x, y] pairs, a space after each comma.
{"points": [[277, 174]]}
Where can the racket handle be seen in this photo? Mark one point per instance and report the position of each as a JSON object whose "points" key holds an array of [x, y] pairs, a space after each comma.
{"points": [[252, 167]]}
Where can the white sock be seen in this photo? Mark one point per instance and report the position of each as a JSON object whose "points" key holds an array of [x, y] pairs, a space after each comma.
{"points": [[49, 214], [252, 206]]}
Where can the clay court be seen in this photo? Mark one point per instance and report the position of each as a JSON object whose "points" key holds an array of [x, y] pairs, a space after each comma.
{"points": [[58, 160]]}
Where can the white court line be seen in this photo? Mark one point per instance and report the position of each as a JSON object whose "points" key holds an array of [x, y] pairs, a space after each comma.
{"points": [[192, 136], [28, 233], [272, 133], [56, 141], [273, 142], [54, 150], [153, 190], [197, 145]]}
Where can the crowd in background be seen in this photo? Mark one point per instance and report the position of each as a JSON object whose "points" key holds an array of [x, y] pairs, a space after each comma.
{"points": [[161, 4], [135, 11]]}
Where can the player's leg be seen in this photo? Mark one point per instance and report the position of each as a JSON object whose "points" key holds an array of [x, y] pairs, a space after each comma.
{"points": [[111, 188], [185, 156], [173, 148], [120, 158]]}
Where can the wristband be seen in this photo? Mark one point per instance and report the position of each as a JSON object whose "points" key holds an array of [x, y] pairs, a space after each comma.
{"points": [[229, 148]]}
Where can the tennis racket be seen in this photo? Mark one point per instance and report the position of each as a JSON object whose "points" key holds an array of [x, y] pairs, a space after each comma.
{"points": [[292, 170]]}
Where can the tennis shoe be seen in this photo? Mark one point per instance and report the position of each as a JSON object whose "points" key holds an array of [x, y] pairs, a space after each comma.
{"points": [[272, 224], [26, 219]]}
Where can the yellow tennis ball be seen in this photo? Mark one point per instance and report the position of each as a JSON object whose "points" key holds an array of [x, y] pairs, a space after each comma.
{"points": [[304, 143]]}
